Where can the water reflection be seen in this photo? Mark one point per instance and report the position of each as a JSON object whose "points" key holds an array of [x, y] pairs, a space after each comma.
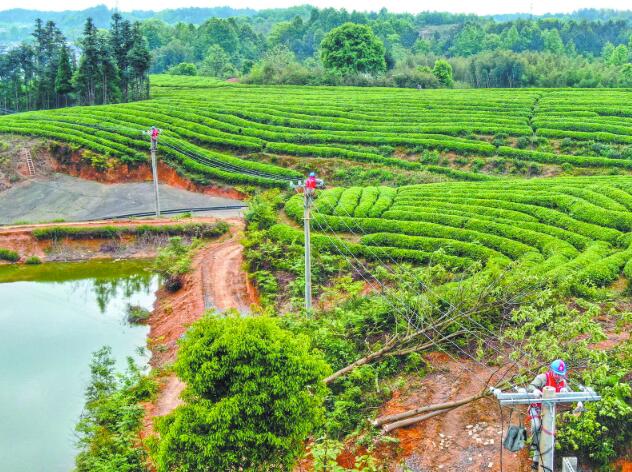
{"points": [[51, 321], [107, 289]]}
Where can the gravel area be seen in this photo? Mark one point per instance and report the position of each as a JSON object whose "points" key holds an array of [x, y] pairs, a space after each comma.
{"points": [[72, 199]]}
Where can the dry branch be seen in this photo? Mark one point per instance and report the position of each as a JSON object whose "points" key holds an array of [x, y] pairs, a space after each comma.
{"points": [[415, 419], [437, 406]]}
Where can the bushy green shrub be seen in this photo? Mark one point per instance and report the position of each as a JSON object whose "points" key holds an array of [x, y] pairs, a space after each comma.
{"points": [[110, 424], [9, 255], [254, 394], [172, 262], [137, 314]]}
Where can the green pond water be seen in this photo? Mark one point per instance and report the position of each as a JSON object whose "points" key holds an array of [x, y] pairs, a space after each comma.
{"points": [[52, 318]]}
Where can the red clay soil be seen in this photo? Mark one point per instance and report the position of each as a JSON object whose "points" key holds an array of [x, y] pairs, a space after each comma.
{"points": [[20, 239], [467, 438], [216, 280], [118, 173]]}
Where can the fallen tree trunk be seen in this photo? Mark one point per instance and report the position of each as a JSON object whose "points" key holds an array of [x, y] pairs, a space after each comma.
{"points": [[437, 406], [415, 419]]}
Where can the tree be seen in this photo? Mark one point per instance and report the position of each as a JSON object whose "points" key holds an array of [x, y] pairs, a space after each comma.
{"points": [[553, 42], [619, 55], [108, 85], [442, 70], [626, 75], [120, 44], [469, 41], [139, 60], [607, 51], [254, 392], [352, 49], [63, 77], [87, 74], [217, 63]]}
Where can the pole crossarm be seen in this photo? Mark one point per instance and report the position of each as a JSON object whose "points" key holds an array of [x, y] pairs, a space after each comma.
{"points": [[562, 397], [547, 400]]}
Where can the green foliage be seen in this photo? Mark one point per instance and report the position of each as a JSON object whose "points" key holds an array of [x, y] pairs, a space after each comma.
{"points": [[172, 262], [137, 314], [442, 70], [196, 230], [603, 432], [353, 48], [184, 68], [112, 418], [254, 394], [9, 255], [262, 209], [33, 260]]}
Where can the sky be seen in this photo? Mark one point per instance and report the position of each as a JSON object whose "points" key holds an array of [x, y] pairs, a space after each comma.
{"points": [[413, 6]]}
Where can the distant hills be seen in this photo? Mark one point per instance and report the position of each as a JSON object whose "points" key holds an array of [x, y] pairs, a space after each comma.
{"points": [[16, 24]]}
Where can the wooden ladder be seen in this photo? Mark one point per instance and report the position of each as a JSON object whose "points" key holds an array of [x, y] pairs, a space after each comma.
{"points": [[26, 155]]}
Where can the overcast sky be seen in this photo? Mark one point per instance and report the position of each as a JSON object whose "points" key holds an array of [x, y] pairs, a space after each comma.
{"points": [[413, 6]]}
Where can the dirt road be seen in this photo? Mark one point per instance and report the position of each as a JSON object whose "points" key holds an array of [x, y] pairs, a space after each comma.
{"points": [[218, 281]]}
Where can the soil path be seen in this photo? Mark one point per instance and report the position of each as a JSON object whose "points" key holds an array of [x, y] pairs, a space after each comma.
{"points": [[216, 280]]}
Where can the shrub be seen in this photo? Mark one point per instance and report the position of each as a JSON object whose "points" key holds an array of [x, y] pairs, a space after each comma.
{"points": [[9, 255], [33, 260], [523, 142], [254, 393], [137, 314], [172, 262], [110, 424]]}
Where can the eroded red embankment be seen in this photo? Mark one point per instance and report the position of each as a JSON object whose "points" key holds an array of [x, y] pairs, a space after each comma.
{"points": [[76, 166]]}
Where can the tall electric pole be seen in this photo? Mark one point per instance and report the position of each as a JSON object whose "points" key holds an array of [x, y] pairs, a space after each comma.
{"points": [[549, 400], [308, 187], [153, 147], [308, 197]]}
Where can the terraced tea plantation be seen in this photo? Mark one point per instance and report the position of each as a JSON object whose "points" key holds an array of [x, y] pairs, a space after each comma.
{"points": [[562, 227], [234, 133]]}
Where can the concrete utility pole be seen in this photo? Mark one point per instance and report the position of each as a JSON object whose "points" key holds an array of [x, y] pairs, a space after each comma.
{"points": [[153, 147], [308, 200], [549, 400]]}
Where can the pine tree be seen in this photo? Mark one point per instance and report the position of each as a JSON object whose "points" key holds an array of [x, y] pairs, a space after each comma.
{"points": [[63, 77], [87, 75], [139, 62], [120, 43], [108, 86]]}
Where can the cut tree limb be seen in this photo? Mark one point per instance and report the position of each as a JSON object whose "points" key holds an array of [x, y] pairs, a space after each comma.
{"points": [[415, 419], [365, 360], [437, 406]]}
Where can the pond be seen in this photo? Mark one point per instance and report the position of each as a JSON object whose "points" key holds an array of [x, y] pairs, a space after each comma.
{"points": [[52, 318]]}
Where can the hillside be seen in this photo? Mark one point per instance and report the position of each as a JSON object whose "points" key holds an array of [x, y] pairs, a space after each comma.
{"points": [[575, 228], [465, 238], [252, 134]]}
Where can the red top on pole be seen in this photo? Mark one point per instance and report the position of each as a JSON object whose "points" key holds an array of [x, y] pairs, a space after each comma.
{"points": [[311, 182]]}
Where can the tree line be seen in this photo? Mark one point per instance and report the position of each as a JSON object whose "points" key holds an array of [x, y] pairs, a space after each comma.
{"points": [[105, 66], [482, 52]]}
